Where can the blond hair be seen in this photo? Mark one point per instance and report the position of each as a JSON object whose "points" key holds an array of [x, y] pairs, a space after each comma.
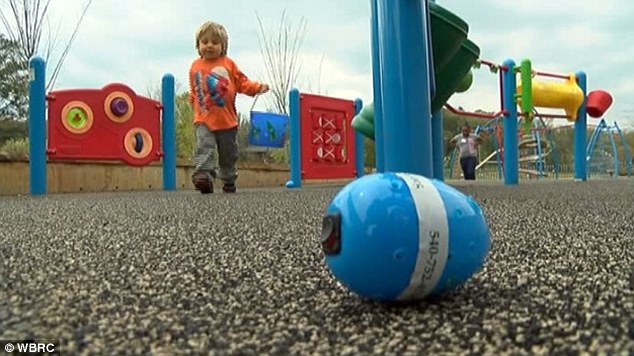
{"points": [[213, 30]]}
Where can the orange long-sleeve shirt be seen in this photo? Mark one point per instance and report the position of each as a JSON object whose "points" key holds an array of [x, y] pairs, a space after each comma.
{"points": [[218, 114]]}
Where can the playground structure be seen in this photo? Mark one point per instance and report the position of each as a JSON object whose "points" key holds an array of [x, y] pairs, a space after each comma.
{"points": [[533, 150], [322, 142], [537, 144], [110, 124], [392, 117], [447, 59], [442, 67], [598, 158], [115, 124], [607, 151]]}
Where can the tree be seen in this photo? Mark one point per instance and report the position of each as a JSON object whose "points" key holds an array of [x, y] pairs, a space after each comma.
{"points": [[280, 52], [24, 22], [13, 82]]}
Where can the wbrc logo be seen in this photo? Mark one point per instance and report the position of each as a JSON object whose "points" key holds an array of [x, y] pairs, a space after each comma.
{"points": [[42, 347]]}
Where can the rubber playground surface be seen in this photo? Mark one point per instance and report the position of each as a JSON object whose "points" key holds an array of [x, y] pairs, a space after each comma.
{"points": [[184, 273]]}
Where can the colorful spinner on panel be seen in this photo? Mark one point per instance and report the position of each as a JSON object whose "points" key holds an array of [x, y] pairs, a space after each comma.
{"points": [[112, 123], [398, 237]]}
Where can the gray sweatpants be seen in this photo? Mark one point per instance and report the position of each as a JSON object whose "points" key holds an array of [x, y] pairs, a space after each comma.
{"points": [[225, 143]]}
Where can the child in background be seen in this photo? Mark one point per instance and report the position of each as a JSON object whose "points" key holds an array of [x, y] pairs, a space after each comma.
{"points": [[214, 81]]}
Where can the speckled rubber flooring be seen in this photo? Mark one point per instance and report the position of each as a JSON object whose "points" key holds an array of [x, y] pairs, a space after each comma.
{"points": [[182, 273]]}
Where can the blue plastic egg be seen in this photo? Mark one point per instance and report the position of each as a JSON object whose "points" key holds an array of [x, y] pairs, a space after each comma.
{"points": [[400, 237]]}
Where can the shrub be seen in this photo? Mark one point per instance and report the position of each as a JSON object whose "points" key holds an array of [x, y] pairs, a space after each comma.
{"points": [[16, 147]]}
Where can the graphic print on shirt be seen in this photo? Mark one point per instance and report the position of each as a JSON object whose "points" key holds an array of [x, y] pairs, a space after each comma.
{"points": [[211, 88]]}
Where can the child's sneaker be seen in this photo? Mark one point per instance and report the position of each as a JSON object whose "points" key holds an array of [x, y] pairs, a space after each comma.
{"points": [[203, 181], [229, 188]]}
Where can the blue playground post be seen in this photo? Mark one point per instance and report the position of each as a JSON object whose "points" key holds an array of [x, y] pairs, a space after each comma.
{"points": [[430, 51], [37, 126], [626, 151], [379, 155], [540, 161], [296, 163], [169, 133], [615, 154], [359, 163], [437, 132], [581, 172], [593, 141], [404, 74], [511, 150]]}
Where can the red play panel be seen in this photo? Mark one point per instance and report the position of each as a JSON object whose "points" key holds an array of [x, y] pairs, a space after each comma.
{"points": [[327, 137], [111, 123]]}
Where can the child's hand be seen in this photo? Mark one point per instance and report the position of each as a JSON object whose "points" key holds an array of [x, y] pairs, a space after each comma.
{"points": [[263, 88]]}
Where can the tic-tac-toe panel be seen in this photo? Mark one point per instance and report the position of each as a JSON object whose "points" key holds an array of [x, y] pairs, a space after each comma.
{"points": [[327, 137], [111, 123]]}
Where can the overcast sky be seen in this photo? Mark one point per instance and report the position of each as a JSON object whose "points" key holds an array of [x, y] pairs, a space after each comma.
{"points": [[137, 41]]}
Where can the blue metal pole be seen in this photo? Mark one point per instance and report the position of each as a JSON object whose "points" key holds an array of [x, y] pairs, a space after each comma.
{"points": [[615, 155], [37, 127], [379, 155], [405, 86], [296, 148], [359, 158], [430, 52], [626, 151], [511, 151], [540, 153], [592, 143], [594, 137], [169, 132], [437, 132], [581, 172]]}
